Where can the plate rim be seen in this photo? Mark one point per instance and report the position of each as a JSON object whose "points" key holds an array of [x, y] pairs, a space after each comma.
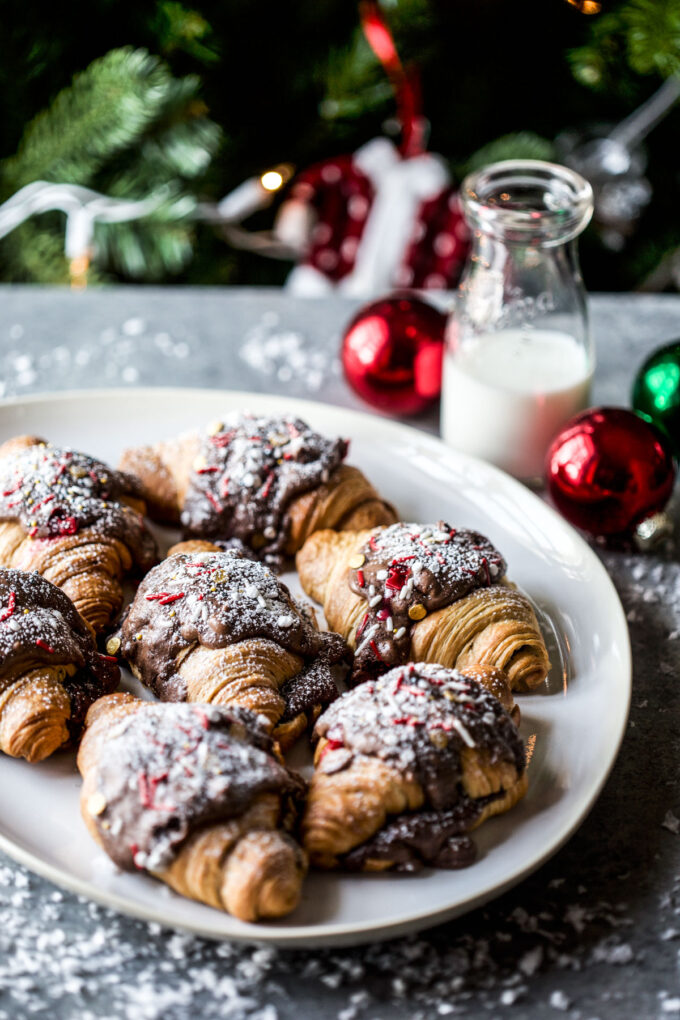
{"points": [[343, 933]]}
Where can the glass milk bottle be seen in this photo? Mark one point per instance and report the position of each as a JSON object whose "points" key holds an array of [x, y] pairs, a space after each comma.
{"points": [[519, 358]]}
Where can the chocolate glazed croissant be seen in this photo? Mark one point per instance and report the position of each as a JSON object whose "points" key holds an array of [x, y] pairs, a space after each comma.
{"points": [[406, 766], [425, 593], [75, 521], [50, 670], [268, 483], [195, 796], [214, 627]]}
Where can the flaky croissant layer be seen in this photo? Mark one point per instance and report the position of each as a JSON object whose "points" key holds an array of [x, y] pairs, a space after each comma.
{"points": [[494, 625]]}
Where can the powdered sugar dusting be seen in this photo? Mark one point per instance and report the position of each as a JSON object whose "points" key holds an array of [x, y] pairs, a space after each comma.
{"points": [[418, 718], [248, 471], [164, 770], [56, 492], [216, 599]]}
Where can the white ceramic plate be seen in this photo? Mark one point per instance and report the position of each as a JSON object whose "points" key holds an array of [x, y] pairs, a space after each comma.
{"points": [[573, 727]]}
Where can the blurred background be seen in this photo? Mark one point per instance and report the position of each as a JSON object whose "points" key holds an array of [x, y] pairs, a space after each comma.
{"points": [[172, 106]]}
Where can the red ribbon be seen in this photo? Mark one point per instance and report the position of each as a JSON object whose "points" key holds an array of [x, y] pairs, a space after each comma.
{"points": [[405, 82]]}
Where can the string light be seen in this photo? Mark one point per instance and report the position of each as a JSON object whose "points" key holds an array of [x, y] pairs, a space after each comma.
{"points": [[272, 180], [85, 208], [586, 6]]}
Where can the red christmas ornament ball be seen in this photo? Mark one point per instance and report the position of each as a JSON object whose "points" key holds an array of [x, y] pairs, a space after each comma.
{"points": [[608, 470], [392, 354]]}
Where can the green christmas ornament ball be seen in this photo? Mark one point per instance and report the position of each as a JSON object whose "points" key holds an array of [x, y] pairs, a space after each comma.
{"points": [[656, 392]]}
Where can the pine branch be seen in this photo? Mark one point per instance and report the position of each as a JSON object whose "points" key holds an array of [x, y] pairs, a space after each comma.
{"points": [[105, 110], [653, 35], [180, 28], [128, 129], [642, 36], [145, 250]]}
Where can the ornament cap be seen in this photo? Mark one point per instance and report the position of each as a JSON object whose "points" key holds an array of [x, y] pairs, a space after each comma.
{"points": [[653, 531]]}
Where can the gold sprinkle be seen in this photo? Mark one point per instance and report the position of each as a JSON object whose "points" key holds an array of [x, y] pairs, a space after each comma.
{"points": [[96, 803], [357, 561], [112, 645], [216, 427], [439, 739], [200, 463], [417, 612], [138, 637]]}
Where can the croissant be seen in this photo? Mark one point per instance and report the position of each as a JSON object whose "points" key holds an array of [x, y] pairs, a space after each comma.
{"points": [[195, 796], [75, 521], [426, 593], [211, 626], [50, 670], [267, 483], [406, 766]]}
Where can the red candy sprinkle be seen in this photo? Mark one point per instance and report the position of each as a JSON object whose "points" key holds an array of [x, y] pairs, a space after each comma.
{"points": [[164, 598], [266, 488], [222, 438], [205, 722], [43, 644], [360, 578], [147, 792], [331, 745], [11, 603], [211, 499], [47, 499], [362, 626], [376, 652], [206, 470], [64, 525]]}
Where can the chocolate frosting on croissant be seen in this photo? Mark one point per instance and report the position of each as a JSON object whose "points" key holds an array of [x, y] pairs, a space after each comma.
{"points": [[418, 718], [217, 599], [436, 837], [249, 472], [55, 492], [165, 770], [39, 625], [406, 571]]}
